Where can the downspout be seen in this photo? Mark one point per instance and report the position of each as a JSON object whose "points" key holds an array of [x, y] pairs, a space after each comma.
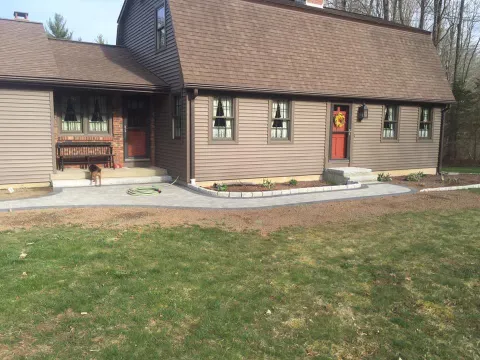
{"points": [[442, 134], [193, 96]]}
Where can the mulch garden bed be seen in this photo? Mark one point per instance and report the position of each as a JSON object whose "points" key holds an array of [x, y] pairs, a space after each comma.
{"points": [[280, 186], [435, 181]]}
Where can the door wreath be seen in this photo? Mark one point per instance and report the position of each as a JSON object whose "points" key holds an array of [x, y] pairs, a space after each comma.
{"points": [[339, 120]]}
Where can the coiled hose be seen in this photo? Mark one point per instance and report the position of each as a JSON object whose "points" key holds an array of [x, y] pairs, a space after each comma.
{"points": [[144, 191], [147, 190]]}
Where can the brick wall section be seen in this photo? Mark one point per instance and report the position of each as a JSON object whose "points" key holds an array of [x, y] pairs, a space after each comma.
{"points": [[117, 138]]}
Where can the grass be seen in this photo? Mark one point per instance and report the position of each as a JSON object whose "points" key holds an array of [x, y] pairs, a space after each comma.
{"points": [[399, 286], [463, 170]]}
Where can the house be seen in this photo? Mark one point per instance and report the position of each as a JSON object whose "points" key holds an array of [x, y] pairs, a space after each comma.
{"points": [[218, 90]]}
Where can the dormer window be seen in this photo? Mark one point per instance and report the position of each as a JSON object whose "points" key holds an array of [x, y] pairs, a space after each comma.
{"points": [[160, 28]]}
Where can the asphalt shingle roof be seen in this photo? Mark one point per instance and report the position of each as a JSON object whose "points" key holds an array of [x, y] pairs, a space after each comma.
{"points": [[262, 46], [94, 63], [26, 54]]}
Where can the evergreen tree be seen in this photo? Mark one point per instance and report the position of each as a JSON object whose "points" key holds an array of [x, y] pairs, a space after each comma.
{"points": [[100, 40], [57, 28]]}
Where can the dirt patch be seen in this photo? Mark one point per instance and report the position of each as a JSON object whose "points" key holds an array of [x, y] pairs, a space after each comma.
{"points": [[281, 186], [25, 348], [24, 193], [436, 181], [263, 220]]}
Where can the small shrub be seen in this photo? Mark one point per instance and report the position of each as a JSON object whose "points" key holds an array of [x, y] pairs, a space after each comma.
{"points": [[415, 177], [220, 187], [382, 177], [293, 182], [268, 184]]}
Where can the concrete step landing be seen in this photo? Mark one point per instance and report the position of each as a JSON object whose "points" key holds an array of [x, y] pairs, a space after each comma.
{"points": [[113, 181], [124, 176], [347, 175]]}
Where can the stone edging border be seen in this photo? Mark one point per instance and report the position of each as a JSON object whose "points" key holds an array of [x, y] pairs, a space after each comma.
{"points": [[258, 194], [451, 188]]}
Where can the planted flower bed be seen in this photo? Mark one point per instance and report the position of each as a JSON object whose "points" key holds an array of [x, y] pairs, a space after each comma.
{"points": [[268, 186], [436, 181]]}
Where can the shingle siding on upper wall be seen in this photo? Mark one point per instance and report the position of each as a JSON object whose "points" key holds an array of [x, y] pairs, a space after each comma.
{"points": [[25, 136], [369, 151], [137, 33], [252, 156]]}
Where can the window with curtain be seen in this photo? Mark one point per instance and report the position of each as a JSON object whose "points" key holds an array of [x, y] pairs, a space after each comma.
{"points": [[98, 114], [281, 118], [390, 122], [223, 118], [425, 125], [177, 117], [161, 28], [84, 114], [72, 114]]}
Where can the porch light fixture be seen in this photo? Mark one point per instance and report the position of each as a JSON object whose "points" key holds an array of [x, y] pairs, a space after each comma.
{"points": [[362, 112]]}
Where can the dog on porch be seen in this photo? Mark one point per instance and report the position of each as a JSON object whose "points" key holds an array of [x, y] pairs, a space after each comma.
{"points": [[95, 173]]}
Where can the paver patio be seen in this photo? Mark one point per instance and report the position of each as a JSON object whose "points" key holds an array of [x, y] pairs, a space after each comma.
{"points": [[181, 197]]}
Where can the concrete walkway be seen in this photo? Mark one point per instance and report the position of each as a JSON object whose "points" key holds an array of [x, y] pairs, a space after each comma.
{"points": [[181, 197]]}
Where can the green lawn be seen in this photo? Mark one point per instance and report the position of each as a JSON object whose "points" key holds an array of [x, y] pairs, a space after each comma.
{"points": [[400, 286], [463, 170]]}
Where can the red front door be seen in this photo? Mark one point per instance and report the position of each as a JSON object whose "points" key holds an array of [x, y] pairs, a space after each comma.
{"points": [[137, 128], [340, 123]]}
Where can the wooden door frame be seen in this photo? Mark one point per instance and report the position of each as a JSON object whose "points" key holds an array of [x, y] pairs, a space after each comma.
{"points": [[148, 127], [349, 133]]}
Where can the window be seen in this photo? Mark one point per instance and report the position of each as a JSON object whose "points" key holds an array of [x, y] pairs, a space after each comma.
{"points": [[425, 125], [98, 114], [280, 120], [177, 117], [223, 118], [85, 114], [390, 122], [72, 117], [160, 28]]}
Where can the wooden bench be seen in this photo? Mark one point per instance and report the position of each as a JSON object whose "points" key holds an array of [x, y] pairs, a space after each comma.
{"points": [[84, 154]]}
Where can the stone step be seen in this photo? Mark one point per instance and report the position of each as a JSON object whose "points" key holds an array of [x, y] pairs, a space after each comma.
{"points": [[362, 177], [81, 174], [113, 181], [348, 170], [348, 174]]}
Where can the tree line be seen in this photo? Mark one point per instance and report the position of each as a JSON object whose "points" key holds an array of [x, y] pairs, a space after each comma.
{"points": [[454, 25], [57, 28]]}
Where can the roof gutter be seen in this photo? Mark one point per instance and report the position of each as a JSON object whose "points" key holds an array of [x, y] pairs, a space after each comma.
{"points": [[85, 84], [311, 93]]}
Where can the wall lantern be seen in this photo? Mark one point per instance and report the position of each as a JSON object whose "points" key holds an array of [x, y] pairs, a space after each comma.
{"points": [[362, 112]]}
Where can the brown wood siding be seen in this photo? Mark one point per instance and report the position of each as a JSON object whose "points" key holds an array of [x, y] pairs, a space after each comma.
{"points": [[369, 151], [25, 136], [252, 156], [139, 36], [170, 154]]}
